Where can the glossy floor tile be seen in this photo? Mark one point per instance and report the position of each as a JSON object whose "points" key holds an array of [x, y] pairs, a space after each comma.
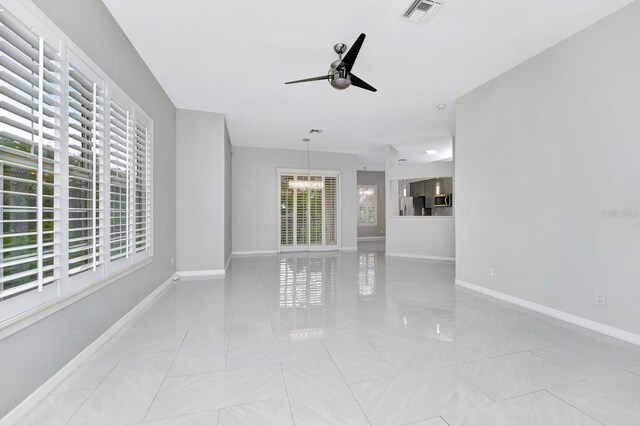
{"points": [[611, 401], [414, 397], [514, 375], [535, 409], [349, 338]]}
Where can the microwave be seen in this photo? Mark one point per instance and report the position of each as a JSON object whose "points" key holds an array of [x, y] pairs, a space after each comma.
{"points": [[442, 200]]}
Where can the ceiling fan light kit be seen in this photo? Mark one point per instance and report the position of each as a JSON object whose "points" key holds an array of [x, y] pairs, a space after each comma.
{"points": [[340, 76]]}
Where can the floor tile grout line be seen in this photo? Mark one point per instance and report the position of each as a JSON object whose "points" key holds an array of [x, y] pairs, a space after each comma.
{"points": [[93, 390], [455, 371], [175, 355], [558, 366], [384, 359], [550, 392], [226, 359], [286, 391], [345, 382]]}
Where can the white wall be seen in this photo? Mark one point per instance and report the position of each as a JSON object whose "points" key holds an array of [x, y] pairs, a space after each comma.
{"points": [[32, 355], [255, 194], [430, 237], [541, 152], [201, 171]]}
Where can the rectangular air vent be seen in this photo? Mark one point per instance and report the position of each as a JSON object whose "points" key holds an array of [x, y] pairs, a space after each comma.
{"points": [[422, 10]]}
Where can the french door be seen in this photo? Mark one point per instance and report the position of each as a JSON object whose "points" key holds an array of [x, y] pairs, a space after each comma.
{"points": [[308, 216]]}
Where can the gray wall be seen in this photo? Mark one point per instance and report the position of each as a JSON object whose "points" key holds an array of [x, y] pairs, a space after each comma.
{"points": [[202, 155], [34, 354], [255, 189], [561, 135], [374, 178], [228, 234]]}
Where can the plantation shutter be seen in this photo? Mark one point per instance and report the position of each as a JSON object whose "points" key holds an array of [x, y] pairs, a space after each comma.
{"points": [[29, 157], [142, 161], [86, 174], [286, 210], [302, 215], [315, 214], [120, 148], [308, 217], [330, 210]]}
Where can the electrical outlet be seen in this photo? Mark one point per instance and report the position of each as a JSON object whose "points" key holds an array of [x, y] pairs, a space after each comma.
{"points": [[601, 299], [172, 261], [491, 272]]}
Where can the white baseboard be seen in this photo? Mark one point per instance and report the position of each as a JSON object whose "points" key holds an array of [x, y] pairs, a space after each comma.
{"points": [[204, 273], [243, 253], [226, 265], [349, 249], [26, 406], [561, 315], [420, 256], [372, 238]]}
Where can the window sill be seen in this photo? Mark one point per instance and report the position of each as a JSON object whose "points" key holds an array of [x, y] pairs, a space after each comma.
{"points": [[27, 318]]}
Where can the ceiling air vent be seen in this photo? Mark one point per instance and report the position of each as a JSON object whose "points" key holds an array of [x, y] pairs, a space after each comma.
{"points": [[422, 10]]}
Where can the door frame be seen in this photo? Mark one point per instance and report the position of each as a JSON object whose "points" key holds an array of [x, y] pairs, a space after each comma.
{"points": [[313, 172]]}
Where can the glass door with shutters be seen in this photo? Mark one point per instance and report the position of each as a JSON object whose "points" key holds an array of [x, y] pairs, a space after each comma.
{"points": [[308, 216]]}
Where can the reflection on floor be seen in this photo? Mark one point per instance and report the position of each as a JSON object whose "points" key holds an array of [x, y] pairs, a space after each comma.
{"points": [[353, 339]]}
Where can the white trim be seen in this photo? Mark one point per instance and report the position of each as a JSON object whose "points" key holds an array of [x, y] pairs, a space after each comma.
{"points": [[561, 315], [203, 273], [226, 265], [421, 217], [383, 238], [420, 256], [349, 249], [26, 406], [25, 319], [244, 253]]}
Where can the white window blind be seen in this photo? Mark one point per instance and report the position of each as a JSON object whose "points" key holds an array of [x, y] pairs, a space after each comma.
{"points": [[331, 210], [142, 159], [120, 181], [75, 168], [86, 173], [367, 205], [308, 217], [29, 159]]}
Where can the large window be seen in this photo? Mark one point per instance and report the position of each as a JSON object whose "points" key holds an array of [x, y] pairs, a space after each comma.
{"points": [[308, 216], [75, 168], [367, 205]]}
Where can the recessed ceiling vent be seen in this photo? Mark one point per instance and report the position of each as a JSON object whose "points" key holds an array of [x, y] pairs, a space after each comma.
{"points": [[422, 10]]}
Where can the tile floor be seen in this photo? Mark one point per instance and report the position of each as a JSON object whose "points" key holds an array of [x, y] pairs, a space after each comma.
{"points": [[345, 339]]}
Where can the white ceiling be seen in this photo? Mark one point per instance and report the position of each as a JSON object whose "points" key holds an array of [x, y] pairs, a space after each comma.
{"points": [[234, 56]]}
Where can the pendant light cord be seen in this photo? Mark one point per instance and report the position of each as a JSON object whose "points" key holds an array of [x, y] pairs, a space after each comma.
{"points": [[308, 164]]}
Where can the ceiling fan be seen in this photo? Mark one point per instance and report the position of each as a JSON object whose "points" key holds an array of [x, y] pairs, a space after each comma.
{"points": [[340, 76]]}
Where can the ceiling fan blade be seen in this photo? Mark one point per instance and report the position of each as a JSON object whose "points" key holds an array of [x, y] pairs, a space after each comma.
{"points": [[355, 81], [322, 77], [352, 54]]}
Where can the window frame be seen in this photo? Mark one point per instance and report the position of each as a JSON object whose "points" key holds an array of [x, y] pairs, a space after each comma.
{"points": [[373, 206], [30, 306]]}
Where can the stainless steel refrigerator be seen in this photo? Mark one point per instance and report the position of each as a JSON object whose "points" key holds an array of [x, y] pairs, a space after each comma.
{"points": [[406, 206]]}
